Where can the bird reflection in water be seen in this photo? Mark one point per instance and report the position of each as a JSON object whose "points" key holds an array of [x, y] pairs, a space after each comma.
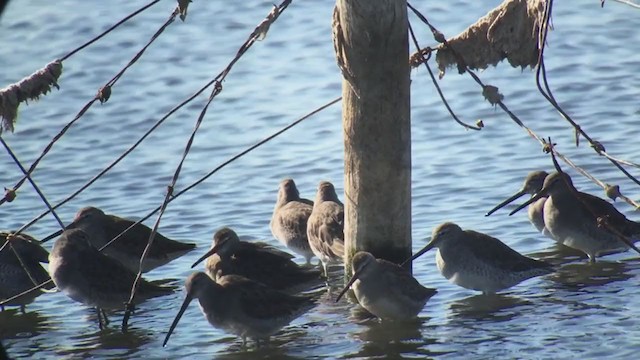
{"points": [[580, 275], [494, 307], [393, 339], [13, 323]]}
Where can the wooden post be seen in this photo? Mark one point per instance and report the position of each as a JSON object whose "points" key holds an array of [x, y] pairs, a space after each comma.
{"points": [[371, 44]]}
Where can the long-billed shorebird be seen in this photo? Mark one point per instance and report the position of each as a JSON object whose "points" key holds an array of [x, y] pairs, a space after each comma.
{"points": [[532, 185], [254, 260], [289, 220], [385, 289], [572, 218], [325, 228], [127, 249], [88, 276], [242, 306], [18, 275], [478, 261]]}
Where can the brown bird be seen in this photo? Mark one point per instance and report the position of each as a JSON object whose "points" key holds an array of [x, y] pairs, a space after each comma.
{"points": [[88, 276], [242, 306], [325, 228], [255, 260], [20, 275], [385, 289], [289, 220], [478, 261], [572, 216], [127, 249]]}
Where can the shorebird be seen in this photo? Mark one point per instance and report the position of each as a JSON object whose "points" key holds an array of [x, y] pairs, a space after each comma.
{"points": [[242, 306], [254, 260], [88, 276], [289, 220], [385, 289], [325, 228], [478, 261], [128, 249], [532, 185], [20, 275], [574, 219]]}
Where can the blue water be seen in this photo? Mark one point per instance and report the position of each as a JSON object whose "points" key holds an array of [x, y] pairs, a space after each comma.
{"points": [[584, 311]]}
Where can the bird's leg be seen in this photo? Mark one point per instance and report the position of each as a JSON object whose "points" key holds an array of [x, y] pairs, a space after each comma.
{"points": [[100, 324], [592, 259], [244, 341], [104, 316], [22, 309]]}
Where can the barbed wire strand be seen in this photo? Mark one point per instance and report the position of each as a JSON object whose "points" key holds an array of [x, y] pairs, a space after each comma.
{"points": [[438, 35], [435, 83], [541, 72], [258, 33], [110, 29], [103, 95], [601, 220], [200, 181], [31, 181]]}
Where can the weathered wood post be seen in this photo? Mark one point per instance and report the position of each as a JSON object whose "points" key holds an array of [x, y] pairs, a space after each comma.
{"points": [[371, 43]]}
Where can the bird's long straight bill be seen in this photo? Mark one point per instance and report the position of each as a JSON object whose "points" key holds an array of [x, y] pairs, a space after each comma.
{"points": [[533, 199], [419, 253], [185, 304], [346, 287], [513, 198], [206, 255]]}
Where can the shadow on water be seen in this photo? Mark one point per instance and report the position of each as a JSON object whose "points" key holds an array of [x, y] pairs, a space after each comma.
{"points": [[487, 307], [581, 275], [388, 339], [110, 341], [14, 324], [558, 254]]}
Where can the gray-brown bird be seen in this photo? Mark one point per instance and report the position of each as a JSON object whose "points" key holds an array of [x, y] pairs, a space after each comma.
{"points": [[572, 216], [18, 275], [255, 260], [478, 261], [289, 220], [325, 228], [241, 306], [88, 276], [127, 249], [385, 289]]}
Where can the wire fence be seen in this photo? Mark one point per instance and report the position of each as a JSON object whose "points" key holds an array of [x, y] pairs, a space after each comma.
{"points": [[422, 56]]}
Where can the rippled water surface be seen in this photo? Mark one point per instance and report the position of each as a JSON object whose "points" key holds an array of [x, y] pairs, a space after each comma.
{"points": [[585, 311]]}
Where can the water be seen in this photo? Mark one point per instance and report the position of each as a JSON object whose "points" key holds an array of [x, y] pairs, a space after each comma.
{"points": [[585, 311]]}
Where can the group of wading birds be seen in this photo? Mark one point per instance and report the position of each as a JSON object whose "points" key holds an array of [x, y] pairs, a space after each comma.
{"points": [[252, 289]]}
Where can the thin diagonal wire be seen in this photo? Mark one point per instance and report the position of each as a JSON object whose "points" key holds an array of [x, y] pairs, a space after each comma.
{"points": [[113, 27], [31, 181], [513, 117], [435, 83], [548, 95], [86, 107], [201, 180], [259, 31]]}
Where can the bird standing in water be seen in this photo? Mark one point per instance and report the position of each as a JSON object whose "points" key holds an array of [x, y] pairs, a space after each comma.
{"points": [[574, 219], [127, 249], [88, 276], [478, 261], [241, 306], [255, 260], [289, 220], [385, 289], [325, 228], [18, 275]]}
